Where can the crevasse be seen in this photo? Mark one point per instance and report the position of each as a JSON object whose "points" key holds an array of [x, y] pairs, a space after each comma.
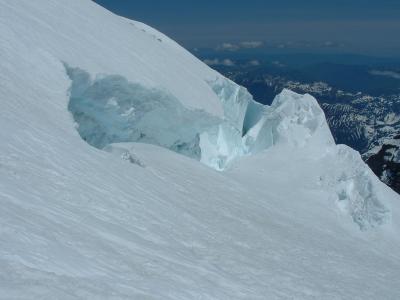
{"points": [[109, 109]]}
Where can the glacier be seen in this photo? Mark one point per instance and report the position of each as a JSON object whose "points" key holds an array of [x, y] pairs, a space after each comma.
{"points": [[253, 201]]}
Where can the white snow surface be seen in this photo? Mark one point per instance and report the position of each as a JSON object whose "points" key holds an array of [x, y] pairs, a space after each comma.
{"points": [[292, 216]]}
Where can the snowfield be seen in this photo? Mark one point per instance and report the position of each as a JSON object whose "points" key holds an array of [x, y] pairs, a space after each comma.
{"points": [[131, 170]]}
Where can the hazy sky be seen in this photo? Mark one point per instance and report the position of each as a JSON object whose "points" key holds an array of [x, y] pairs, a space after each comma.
{"points": [[361, 26]]}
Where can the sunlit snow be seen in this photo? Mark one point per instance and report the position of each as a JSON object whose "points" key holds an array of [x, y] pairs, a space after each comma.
{"points": [[95, 205]]}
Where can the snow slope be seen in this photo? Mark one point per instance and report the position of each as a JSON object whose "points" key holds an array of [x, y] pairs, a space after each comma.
{"points": [[293, 216]]}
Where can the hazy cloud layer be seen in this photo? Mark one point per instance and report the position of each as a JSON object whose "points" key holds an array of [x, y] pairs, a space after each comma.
{"points": [[218, 62], [254, 62], [385, 73], [251, 44], [241, 45]]}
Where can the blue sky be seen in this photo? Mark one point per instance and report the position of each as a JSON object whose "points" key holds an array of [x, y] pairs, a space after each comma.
{"points": [[359, 26]]}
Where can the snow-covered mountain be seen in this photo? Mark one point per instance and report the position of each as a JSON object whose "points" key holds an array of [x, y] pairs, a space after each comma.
{"points": [[253, 201]]}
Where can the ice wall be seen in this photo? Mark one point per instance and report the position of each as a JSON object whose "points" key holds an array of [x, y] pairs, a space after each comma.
{"points": [[109, 109]]}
